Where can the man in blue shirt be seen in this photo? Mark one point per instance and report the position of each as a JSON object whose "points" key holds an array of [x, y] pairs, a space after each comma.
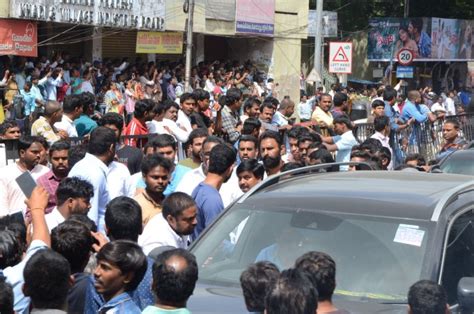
{"points": [[206, 194], [415, 109]]}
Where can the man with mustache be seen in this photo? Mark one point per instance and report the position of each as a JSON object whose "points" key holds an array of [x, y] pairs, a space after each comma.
{"points": [[58, 157], [271, 147]]}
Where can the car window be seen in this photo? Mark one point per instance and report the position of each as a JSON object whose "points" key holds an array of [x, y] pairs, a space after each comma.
{"points": [[458, 166], [363, 247], [459, 260]]}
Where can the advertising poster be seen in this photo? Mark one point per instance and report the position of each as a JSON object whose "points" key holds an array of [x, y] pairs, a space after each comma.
{"points": [[382, 37], [466, 40], [255, 17], [18, 38], [446, 34], [160, 42]]}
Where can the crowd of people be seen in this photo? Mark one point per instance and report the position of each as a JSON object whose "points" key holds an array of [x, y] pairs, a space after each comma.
{"points": [[130, 169]]}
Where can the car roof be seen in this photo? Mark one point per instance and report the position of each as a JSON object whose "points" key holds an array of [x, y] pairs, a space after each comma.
{"points": [[401, 194], [466, 154]]}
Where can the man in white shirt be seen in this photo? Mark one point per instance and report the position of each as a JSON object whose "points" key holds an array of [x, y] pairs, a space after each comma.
{"points": [[173, 226], [72, 109], [94, 168], [382, 133], [53, 82], [12, 198], [343, 142], [73, 196], [449, 104]]}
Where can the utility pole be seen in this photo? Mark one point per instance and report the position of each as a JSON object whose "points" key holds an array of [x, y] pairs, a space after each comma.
{"points": [[318, 41], [406, 9], [189, 43]]}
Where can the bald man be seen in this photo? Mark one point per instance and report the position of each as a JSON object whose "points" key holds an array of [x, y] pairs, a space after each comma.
{"points": [[282, 116], [44, 126], [414, 109]]}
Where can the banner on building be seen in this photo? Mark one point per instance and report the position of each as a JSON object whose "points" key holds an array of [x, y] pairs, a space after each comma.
{"points": [[160, 42], [18, 38], [329, 23], [127, 14], [430, 39], [255, 17], [223, 10]]}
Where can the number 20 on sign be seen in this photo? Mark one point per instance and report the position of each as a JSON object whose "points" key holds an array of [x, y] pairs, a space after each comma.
{"points": [[405, 57]]}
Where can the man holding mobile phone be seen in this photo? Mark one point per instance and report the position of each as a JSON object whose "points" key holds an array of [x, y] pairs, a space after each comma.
{"points": [[12, 198]]}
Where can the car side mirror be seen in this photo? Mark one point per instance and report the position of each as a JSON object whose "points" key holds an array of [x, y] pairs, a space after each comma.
{"points": [[466, 294]]}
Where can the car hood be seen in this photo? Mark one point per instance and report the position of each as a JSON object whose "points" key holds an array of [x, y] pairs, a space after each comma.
{"points": [[219, 299]]}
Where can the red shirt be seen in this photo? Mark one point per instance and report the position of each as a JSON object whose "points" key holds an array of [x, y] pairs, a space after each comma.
{"points": [[135, 127]]}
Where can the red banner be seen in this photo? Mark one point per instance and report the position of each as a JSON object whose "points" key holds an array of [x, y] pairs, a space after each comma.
{"points": [[19, 38]]}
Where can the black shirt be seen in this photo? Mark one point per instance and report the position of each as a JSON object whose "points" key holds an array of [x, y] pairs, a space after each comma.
{"points": [[130, 157], [201, 120]]}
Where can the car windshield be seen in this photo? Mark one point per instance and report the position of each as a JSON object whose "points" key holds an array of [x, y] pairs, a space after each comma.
{"points": [[458, 165], [377, 258]]}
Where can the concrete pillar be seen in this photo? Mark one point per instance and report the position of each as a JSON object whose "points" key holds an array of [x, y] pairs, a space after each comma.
{"points": [[286, 66], [97, 44]]}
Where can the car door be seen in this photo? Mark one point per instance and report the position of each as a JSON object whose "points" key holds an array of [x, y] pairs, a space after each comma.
{"points": [[458, 252]]}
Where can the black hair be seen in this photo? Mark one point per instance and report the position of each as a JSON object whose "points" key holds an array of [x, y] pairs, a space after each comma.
{"points": [[46, 276], [213, 139], [74, 187], [377, 103], [197, 133], [159, 108], [427, 297], [127, 256], [112, 118], [343, 120], [167, 104], [87, 99], [293, 293], [84, 220], [221, 158], [249, 138], [59, 145], [43, 142], [389, 93], [162, 140], [123, 218], [417, 23], [252, 165], [186, 96], [201, 94], [233, 95], [322, 271], [250, 102], [256, 281], [26, 141], [385, 153], [380, 123], [454, 122], [73, 240], [16, 225], [266, 104], [156, 160], [75, 154], [309, 137], [171, 286], [270, 134], [297, 131], [10, 249], [371, 145], [418, 157], [339, 99], [250, 125], [272, 100], [100, 141], [323, 155], [6, 297], [8, 124], [291, 166], [175, 203], [142, 106], [71, 103]]}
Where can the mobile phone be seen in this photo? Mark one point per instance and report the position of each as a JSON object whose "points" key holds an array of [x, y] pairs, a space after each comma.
{"points": [[26, 183]]}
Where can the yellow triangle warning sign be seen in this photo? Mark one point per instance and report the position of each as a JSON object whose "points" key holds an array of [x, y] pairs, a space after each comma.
{"points": [[340, 56]]}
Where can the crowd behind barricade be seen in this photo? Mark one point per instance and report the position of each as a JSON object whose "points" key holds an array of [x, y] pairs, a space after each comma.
{"points": [[130, 169]]}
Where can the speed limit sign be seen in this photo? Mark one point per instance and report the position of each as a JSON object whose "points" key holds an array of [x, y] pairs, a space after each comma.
{"points": [[405, 56]]}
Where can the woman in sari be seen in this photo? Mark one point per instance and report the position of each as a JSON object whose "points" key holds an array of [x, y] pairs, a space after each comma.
{"points": [[114, 99]]}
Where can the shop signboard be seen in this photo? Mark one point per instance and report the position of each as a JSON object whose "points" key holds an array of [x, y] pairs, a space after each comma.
{"points": [[160, 42], [223, 10], [405, 71], [429, 39], [127, 14], [329, 23], [255, 17], [18, 38]]}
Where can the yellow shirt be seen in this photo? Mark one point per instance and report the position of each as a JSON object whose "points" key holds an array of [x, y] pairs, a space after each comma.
{"points": [[150, 208], [320, 116]]}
